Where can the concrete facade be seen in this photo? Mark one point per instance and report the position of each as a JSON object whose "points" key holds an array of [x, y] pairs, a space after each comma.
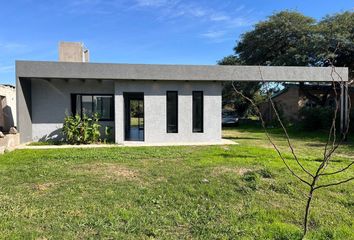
{"points": [[44, 88], [8, 115], [155, 110], [51, 102]]}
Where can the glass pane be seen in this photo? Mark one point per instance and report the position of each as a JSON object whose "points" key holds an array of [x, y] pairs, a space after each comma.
{"points": [[172, 114], [103, 106], [107, 107], [141, 115], [197, 111], [97, 105], [87, 106], [78, 105], [134, 113]]}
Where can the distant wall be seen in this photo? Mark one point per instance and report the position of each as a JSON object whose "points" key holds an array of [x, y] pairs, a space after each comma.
{"points": [[8, 116], [73, 52], [287, 104]]}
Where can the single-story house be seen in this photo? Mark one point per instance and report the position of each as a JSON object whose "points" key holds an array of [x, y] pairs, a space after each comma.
{"points": [[179, 103], [141, 102], [294, 96], [7, 107]]}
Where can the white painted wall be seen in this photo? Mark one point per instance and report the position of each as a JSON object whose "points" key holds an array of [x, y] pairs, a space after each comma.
{"points": [[155, 110], [51, 100]]}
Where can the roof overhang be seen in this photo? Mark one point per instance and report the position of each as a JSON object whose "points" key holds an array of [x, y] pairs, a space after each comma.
{"points": [[70, 70]]}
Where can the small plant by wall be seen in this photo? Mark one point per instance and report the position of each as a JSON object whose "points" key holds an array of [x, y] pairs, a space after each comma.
{"points": [[83, 130]]}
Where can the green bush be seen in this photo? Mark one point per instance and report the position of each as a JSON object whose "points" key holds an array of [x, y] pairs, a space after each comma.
{"points": [[83, 130], [316, 118], [251, 179]]}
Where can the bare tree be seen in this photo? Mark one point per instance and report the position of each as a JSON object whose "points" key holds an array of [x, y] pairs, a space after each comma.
{"points": [[332, 144]]}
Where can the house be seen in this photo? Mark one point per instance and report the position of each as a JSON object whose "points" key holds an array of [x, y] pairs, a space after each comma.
{"points": [[140, 102], [295, 96], [7, 107]]}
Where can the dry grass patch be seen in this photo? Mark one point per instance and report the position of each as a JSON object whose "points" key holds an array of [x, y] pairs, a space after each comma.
{"points": [[237, 170], [108, 170], [43, 186]]}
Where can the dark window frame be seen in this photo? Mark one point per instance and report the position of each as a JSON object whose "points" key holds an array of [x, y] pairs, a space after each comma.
{"points": [[194, 120], [167, 129], [74, 104]]}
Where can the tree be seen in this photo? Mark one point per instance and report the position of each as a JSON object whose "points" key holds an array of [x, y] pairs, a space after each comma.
{"points": [[321, 176], [280, 40], [289, 38], [337, 40], [284, 39]]}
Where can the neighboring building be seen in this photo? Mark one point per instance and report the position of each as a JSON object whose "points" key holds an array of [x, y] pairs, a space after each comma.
{"points": [[150, 103], [73, 52], [293, 97], [7, 107]]}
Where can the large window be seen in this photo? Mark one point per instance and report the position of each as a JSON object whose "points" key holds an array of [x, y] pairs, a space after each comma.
{"points": [[172, 111], [198, 111], [87, 104]]}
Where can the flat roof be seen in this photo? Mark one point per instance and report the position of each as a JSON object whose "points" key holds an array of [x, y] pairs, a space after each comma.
{"points": [[73, 70]]}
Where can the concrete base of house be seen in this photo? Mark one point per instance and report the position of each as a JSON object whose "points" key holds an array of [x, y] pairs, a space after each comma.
{"points": [[9, 142], [129, 144], [142, 144]]}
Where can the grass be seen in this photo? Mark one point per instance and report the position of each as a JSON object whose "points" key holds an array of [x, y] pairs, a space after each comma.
{"points": [[206, 192]]}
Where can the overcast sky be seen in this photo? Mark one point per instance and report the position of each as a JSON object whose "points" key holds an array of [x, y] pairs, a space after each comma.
{"points": [[137, 31]]}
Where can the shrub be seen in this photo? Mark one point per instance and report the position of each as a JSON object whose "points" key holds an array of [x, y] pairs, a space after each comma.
{"points": [[316, 118], [108, 134], [83, 130], [251, 179]]}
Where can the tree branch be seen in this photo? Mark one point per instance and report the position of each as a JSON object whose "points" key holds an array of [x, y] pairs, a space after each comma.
{"points": [[333, 184], [268, 136], [285, 131], [339, 171]]}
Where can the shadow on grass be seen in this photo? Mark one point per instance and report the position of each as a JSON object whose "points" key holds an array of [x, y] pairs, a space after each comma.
{"points": [[245, 138], [294, 132]]}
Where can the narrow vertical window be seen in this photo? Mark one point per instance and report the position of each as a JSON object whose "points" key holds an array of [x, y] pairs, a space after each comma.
{"points": [[198, 111], [172, 111]]}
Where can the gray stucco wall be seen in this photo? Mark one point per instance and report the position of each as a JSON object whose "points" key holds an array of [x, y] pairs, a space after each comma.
{"points": [[155, 110], [51, 100], [24, 108], [176, 72]]}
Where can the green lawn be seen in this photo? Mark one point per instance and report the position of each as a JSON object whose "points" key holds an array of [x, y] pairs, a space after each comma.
{"points": [[206, 192]]}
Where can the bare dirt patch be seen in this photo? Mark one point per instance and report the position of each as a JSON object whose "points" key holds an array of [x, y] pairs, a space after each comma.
{"points": [[237, 170], [43, 186], [109, 170]]}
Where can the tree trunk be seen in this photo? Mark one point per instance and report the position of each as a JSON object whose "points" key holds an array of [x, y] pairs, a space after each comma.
{"points": [[307, 211]]}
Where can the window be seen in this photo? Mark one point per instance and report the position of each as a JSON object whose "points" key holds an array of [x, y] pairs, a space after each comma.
{"points": [[198, 111], [172, 111], [86, 104]]}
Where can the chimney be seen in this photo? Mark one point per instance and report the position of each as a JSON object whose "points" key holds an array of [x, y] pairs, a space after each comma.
{"points": [[73, 52]]}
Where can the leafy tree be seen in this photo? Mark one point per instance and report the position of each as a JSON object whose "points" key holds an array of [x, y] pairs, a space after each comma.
{"points": [[284, 39], [337, 40], [289, 38]]}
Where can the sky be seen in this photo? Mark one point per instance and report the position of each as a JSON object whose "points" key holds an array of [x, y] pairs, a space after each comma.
{"points": [[137, 31]]}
